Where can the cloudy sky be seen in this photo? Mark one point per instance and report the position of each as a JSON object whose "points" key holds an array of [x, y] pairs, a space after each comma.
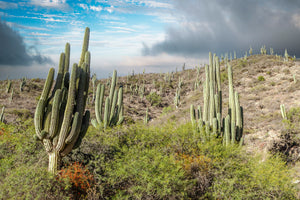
{"points": [[155, 35]]}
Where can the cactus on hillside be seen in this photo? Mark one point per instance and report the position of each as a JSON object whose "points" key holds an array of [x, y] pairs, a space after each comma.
{"points": [[112, 114], [60, 118], [232, 127], [22, 84], [146, 118], [177, 98], [2, 114], [8, 87]]}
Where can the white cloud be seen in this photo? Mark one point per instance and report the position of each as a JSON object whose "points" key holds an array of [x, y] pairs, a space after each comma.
{"points": [[110, 9], [83, 6], [8, 5], [56, 4], [96, 8], [157, 4]]}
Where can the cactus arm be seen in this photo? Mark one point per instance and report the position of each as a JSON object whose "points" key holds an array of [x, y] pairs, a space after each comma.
{"points": [[48, 85], [120, 101], [227, 130], [69, 110], [206, 94], [55, 113], [60, 74], [99, 102], [113, 107], [39, 112], [113, 85], [38, 118], [67, 58], [75, 129], [106, 113], [218, 75], [85, 45], [238, 117], [121, 117], [76, 143]]}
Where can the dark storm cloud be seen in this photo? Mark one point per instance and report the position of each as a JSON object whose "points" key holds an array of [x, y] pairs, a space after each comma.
{"points": [[13, 50], [226, 25]]}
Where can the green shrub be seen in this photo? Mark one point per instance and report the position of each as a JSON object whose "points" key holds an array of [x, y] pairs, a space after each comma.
{"points": [[33, 182], [261, 78], [154, 99], [167, 110], [224, 76]]}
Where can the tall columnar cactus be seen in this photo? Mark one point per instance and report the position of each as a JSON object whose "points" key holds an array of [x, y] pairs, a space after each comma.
{"points": [[60, 119], [232, 127], [112, 114]]}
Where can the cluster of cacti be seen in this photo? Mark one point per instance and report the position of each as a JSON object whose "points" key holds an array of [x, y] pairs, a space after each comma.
{"points": [[22, 83], [60, 118], [2, 114], [263, 50], [110, 113], [231, 127]]}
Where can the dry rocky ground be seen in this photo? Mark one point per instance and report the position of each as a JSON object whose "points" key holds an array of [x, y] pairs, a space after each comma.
{"points": [[260, 99]]}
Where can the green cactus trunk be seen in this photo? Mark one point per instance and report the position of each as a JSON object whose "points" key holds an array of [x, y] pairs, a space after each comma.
{"points": [[60, 120]]}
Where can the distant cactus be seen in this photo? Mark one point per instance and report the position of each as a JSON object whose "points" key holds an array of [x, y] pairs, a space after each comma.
{"points": [[250, 51], [177, 98], [146, 118], [22, 84], [2, 114], [283, 112], [112, 114], [286, 56], [60, 119], [8, 87], [11, 95]]}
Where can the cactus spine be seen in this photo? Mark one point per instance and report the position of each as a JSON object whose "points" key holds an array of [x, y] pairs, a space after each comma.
{"points": [[113, 107], [60, 119]]}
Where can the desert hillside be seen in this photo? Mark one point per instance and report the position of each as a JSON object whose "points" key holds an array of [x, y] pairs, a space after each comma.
{"points": [[264, 82]]}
